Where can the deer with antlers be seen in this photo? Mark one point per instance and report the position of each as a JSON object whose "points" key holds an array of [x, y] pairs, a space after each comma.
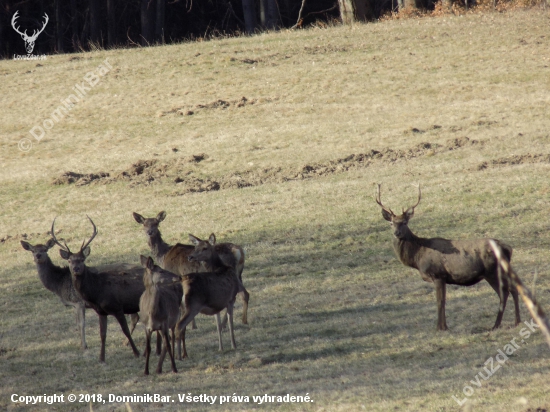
{"points": [[175, 258], [29, 40], [114, 291], [209, 292], [449, 262]]}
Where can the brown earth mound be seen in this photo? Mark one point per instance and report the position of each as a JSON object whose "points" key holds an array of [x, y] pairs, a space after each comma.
{"points": [[515, 160], [179, 172]]}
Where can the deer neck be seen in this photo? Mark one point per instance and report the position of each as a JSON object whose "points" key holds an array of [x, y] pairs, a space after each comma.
{"points": [[50, 275], [214, 264], [407, 248], [159, 248]]}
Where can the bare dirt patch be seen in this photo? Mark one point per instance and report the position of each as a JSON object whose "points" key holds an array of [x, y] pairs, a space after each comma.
{"points": [[515, 160], [219, 104], [181, 173]]}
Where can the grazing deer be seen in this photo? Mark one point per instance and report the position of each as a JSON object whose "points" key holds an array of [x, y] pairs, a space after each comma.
{"points": [[112, 292], [209, 292], [175, 258], [449, 262], [159, 307], [58, 280]]}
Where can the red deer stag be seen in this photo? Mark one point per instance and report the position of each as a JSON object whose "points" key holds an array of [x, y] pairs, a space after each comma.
{"points": [[159, 307], [58, 280], [175, 258], [209, 292], [449, 262], [113, 292]]}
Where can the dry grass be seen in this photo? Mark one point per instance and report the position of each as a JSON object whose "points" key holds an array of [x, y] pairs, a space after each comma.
{"points": [[332, 311]]}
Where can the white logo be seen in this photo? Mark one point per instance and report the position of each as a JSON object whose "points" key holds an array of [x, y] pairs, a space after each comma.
{"points": [[29, 40]]}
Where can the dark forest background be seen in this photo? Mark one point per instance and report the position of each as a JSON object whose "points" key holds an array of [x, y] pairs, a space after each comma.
{"points": [[76, 25]]}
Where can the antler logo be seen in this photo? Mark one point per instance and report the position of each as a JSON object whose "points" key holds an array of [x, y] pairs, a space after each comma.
{"points": [[29, 40]]}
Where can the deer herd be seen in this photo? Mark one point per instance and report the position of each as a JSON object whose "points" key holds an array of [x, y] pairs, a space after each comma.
{"points": [[168, 289]]}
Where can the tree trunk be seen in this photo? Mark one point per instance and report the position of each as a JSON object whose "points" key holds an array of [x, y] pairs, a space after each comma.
{"points": [[59, 27], [363, 10], [94, 21], [146, 26], [159, 32], [347, 11], [410, 4], [272, 14], [74, 26], [111, 36], [249, 12]]}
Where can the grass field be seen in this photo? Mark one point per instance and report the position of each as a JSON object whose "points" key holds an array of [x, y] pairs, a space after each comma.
{"points": [[275, 142]]}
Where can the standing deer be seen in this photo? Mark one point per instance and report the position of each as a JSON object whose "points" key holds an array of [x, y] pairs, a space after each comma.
{"points": [[453, 262], [175, 258], [159, 307], [209, 292], [113, 292], [58, 280]]}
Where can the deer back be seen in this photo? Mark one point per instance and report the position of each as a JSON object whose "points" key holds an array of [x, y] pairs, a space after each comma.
{"points": [[176, 260]]}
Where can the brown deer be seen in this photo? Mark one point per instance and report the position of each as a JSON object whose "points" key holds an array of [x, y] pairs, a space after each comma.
{"points": [[449, 262], [175, 258], [113, 292], [159, 307], [58, 280], [209, 292]]}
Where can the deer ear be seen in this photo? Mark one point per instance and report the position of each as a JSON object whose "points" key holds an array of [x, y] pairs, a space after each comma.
{"points": [[26, 245], [409, 213], [193, 239], [150, 264], [138, 218], [64, 254], [212, 239], [50, 243], [143, 260], [86, 251], [161, 216], [386, 215]]}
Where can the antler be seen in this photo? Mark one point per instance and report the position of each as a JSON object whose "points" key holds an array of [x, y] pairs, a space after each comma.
{"points": [[15, 16], [84, 246], [387, 209], [419, 197], [36, 33], [65, 247]]}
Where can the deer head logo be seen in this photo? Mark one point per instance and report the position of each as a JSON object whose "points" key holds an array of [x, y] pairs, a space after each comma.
{"points": [[29, 40]]}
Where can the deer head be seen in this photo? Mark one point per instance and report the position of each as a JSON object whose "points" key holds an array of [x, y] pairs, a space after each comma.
{"points": [[399, 223], [39, 252], [204, 249], [150, 225], [29, 40], [76, 260]]}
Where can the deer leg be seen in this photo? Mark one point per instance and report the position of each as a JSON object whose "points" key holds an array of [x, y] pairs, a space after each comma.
{"points": [[503, 298], [514, 293], [124, 326], [162, 353], [230, 316], [81, 319], [440, 289], [159, 342], [170, 350], [134, 319], [190, 313], [103, 336], [219, 327], [246, 296], [193, 324], [147, 350]]}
